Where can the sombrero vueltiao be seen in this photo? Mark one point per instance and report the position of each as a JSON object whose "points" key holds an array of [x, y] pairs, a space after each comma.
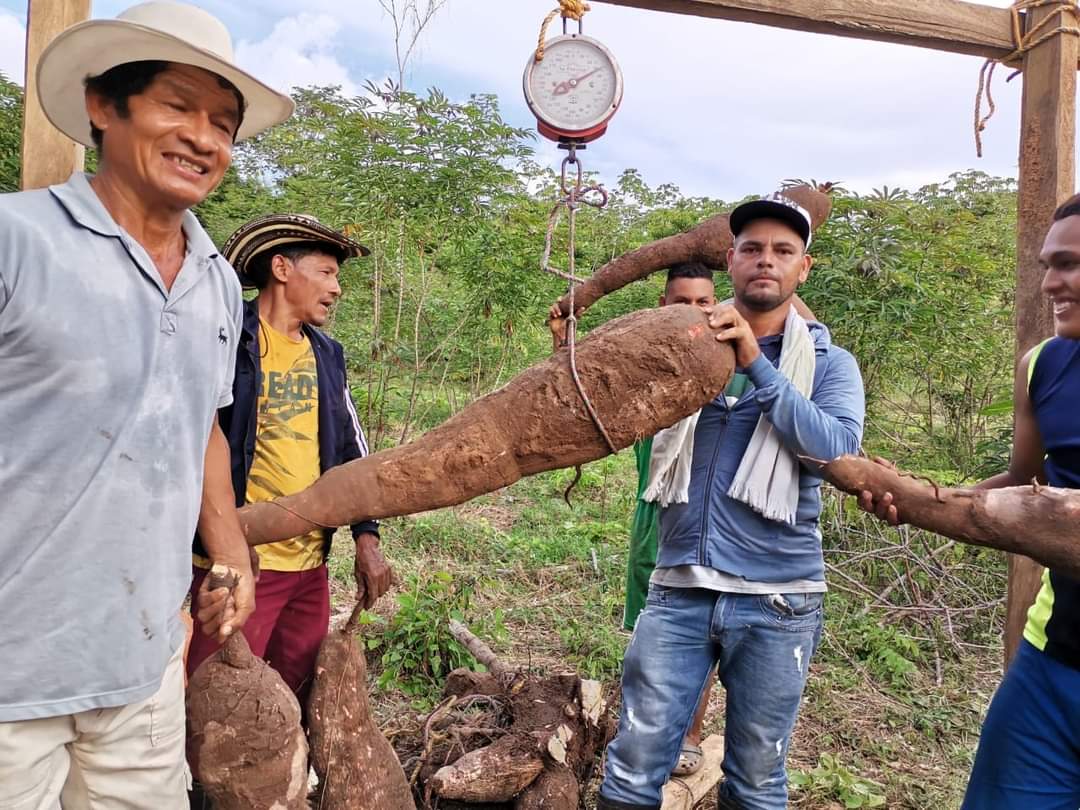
{"points": [[154, 31], [277, 231]]}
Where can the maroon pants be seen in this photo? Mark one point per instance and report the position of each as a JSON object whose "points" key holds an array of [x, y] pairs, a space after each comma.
{"points": [[292, 614]]}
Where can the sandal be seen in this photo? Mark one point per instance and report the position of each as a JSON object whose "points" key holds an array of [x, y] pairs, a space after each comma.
{"points": [[691, 758]]}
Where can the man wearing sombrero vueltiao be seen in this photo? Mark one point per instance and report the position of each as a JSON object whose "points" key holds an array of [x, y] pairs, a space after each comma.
{"points": [[292, 419], [119, 322]]}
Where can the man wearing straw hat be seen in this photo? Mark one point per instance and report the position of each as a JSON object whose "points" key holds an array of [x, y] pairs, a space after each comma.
{"points": [[119, 323], [292, 419]]}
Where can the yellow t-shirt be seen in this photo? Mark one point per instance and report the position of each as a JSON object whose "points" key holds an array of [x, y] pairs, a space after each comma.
{"points": [[286, 441]]}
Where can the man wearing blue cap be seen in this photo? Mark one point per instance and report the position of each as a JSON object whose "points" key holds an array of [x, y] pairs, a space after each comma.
{"points": [[739, 576]]}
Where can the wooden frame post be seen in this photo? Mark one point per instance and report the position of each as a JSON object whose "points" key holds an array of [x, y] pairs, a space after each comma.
{"points": [[47, 156], [1047, 177]]}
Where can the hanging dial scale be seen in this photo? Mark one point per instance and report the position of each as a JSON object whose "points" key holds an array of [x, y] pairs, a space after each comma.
{"points": [[572, 83]]}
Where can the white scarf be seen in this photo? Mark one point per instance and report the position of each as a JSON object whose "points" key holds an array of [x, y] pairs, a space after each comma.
{"points": [[768, 476]]}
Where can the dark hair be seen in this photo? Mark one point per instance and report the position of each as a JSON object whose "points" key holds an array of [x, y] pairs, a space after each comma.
{"points": [[117, 85], [1069, 208], [689, 270], [258, 269]]}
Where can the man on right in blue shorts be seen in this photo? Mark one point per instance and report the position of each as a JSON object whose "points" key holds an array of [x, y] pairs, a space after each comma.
{"points": [[1029, 749]]}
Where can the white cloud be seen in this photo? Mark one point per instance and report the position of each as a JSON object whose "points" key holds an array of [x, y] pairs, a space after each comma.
{"points": [[299, 52], [12, 47]]}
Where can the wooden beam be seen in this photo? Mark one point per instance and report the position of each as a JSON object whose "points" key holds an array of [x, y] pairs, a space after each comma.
{"points": [[945, 25], [684, 792], [47, 156], [1047, 177]]}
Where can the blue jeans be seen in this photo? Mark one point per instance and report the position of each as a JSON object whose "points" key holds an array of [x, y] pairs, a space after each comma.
{"points": [[1029, 748], [762, 645]]}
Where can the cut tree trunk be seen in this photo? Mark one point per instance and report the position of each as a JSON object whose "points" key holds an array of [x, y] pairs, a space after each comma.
{"points": [[642, 372], [357, 768], [1037, 521]]}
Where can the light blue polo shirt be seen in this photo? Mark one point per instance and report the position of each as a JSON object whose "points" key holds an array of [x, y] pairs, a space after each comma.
{"points": [[109, 385]]}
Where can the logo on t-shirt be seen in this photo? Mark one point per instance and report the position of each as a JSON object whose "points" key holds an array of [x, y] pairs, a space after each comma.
{"points": [[222, 339]]}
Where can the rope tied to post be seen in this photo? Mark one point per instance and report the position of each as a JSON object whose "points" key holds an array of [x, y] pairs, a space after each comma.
{"points": [[568, 10], [1024, 42]]}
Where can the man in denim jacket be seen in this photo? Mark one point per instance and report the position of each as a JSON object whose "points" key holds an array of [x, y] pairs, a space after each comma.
{"points": [[733, 587]]}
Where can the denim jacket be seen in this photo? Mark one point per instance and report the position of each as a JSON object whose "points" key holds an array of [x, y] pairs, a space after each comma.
{"points": [[716, 531]]}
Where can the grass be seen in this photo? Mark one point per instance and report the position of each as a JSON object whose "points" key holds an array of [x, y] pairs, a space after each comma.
{"points": [[890, 716]]}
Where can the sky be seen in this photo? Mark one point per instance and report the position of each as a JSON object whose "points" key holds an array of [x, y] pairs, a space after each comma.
{"points": [[720, 109]]}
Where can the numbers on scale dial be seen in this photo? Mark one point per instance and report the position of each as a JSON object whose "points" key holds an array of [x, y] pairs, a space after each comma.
{"points": [[574, 84]]}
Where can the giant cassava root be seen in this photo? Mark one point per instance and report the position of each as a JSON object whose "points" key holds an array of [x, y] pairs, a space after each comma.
{"points": [[1037, 521], [643, 372], [708, 243]]}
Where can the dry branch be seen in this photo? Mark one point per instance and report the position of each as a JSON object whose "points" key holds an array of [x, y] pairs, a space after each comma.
{"points": [[479, 650]]}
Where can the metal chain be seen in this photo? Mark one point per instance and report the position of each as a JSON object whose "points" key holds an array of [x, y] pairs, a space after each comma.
{"points": [[574, 196]]}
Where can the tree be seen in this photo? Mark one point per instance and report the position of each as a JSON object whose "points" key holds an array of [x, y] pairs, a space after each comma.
{"points": [[11, 110]]}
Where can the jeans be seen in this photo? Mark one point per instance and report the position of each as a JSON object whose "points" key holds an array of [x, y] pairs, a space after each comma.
{"points": [[762, 645], [292, 614], [1029, 748]]}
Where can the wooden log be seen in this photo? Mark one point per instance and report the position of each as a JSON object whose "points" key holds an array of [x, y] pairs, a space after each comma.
{"points": [[642, 372], [1047, 178], [685, 792], [944, 25], [48, 156]]}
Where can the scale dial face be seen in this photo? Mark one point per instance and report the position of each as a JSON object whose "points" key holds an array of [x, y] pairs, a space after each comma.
{"points": [[576, 87]]}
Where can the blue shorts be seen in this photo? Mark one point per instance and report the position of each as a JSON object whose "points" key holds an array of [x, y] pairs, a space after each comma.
{"points": [[1029, 749]]}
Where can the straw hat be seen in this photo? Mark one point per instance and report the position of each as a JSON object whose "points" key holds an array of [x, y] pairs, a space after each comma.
{"points": [[260, 235], [158, 30]]}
